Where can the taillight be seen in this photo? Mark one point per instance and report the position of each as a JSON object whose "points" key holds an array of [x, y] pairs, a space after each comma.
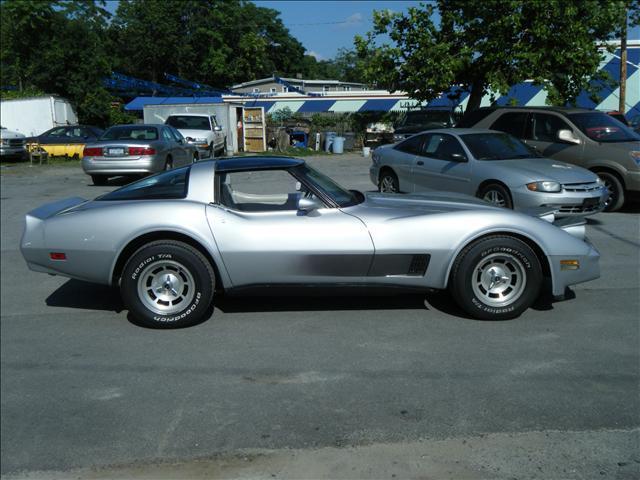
{"points": [[92, 152], [142, 151]]}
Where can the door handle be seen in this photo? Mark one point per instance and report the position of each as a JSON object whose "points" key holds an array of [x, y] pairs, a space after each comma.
{"points": [[420, 162]]}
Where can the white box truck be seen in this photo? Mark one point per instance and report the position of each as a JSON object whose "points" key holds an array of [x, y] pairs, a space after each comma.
{"points": [[35, 115]]}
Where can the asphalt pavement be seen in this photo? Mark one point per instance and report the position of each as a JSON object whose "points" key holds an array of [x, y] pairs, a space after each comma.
{"points": [[358, 383]]}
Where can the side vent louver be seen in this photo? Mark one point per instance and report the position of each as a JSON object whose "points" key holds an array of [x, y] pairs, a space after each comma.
{"points": [[419, 264]]}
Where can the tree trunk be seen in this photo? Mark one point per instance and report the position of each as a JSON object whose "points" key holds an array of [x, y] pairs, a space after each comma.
{"points": [[477, 92]]}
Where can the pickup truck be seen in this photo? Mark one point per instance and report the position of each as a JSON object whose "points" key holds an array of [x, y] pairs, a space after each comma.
{"points": [[202, 131], [12, 144]]}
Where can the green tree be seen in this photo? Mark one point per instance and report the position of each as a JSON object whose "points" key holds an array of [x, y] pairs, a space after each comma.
{"points": [[482, 46]]}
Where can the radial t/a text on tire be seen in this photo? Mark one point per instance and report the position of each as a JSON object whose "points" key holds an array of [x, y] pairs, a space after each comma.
{"points": [[168, 284], [496, 278]]}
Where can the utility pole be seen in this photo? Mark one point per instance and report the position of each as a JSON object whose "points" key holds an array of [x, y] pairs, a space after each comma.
{"points": [[622, 107]]}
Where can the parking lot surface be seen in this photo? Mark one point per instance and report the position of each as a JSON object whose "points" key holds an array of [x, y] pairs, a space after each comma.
{"points": [[338, 384]]}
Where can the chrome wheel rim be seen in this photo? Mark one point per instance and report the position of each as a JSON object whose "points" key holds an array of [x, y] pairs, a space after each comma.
{"points": [[611, 197], [499, 280], [388, 185], [166, 287], [496, 198]]}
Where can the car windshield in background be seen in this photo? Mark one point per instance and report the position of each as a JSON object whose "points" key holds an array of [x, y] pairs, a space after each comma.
{"points": [[189, 123], [171, 184], [342, 197], [130, 133], [496, 146], [420, 118], [603, 128]]}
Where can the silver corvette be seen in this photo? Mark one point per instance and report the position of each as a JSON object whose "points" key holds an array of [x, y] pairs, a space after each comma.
{"points": [[491, 165], [172, 240]]}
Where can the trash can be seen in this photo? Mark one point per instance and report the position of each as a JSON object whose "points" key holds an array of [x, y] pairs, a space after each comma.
{"points": [[349, 141], [338, 145], [328, 140]]}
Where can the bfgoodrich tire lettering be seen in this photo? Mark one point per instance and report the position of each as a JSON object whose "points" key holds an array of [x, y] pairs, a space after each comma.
{"points": [[496, 278], [168, 284]]}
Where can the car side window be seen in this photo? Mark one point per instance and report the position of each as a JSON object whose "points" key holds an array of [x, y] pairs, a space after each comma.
{"points": [[443, 147], [545, 127], [57, 132], [176, 134], [259, 191], [412, 145], [214, 121], [166, 134], [512, 123]]}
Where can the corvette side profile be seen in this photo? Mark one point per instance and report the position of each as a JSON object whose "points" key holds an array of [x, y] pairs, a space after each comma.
{"points": [[173, 240]]}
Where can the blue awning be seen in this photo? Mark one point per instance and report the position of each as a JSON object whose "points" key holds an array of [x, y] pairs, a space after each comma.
{"points": [[378, 105], [260, 103], [138, 103], [522, 93], [316, 106]]}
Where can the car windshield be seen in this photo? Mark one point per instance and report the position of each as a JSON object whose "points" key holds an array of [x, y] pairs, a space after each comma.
{"points": [[165, 185], [341, 196], [496, 146], [128, 132], [187, 122], [603, 128], [419, 118]]}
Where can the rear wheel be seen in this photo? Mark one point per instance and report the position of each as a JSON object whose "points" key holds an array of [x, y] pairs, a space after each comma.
{"points": [[615, 200], [99, 180], [168, 164], [388, 182], [496, 194], [168, 284], [496, 278]]}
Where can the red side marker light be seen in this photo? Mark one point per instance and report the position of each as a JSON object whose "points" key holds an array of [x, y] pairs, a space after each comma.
{"points": [[58, 256]]}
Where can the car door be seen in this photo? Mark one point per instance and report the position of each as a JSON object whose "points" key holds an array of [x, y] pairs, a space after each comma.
{"points": [[186, 149], [264, 239], [218, 134], [402, 157], [442, 165], [541, 133], [177, 152]]}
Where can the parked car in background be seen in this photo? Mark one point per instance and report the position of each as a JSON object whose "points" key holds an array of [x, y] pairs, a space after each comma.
{"points": [[618, 116], [12, 144], [427, 118], [202, 131], [172, 241], [136, 150], [588, 138], [66, 141], [491, 165]]}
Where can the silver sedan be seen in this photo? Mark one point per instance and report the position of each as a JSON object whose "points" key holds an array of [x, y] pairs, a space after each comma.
{"points": [[135, 150], [172, 240], [490, 165]]}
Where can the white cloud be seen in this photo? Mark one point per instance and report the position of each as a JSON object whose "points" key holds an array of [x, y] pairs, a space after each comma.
{"points": [[316, 55], [352, 20]]}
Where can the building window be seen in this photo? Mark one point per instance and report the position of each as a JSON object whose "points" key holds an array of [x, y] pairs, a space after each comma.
{"points": [[325, 88], [347, 88], [285, 89], [256, 90], [273, 89]]}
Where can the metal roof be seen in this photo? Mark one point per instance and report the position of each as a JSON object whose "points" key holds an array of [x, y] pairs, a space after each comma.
{"points": [[138, 103]]}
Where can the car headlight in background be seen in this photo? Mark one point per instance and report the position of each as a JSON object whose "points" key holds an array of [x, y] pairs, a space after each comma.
{"points": [[635, 155], [397, 137], [548, 187]]}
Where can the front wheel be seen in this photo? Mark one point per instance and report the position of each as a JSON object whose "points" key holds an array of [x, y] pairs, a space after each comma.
{"points": [[388, 182], [497, 195], [496, 278], [615, 199], [99, 180], [168, 284]]}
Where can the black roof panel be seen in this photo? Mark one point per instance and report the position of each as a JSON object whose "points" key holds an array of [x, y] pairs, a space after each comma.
{"points": [[255, 163]]}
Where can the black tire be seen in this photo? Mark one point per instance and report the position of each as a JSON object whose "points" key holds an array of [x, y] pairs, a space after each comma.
{"points": [[212, 152], [168, 164], [99, 180], [496, 278], [223, 150], [184, 297], [497, 195], [388, 182], [195, 158], [615, 200]]}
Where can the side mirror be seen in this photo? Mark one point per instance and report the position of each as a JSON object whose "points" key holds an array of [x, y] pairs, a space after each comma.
{"points": [[217, 128], [458, 157], [568, 136], [309, 204]]}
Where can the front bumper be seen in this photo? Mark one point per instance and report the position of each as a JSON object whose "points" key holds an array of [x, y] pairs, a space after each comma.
{"points": [[564, 203], [589, 270], [13, 152], [121, 166]]}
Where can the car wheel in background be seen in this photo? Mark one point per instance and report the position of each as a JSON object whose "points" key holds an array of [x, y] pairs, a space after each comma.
{"points": [[223, 150], [496, 278], [388, 182], [212, 152], [615, 200], [99, 180], [497, 195], [168, 284], [195, 158], [168, 164]]}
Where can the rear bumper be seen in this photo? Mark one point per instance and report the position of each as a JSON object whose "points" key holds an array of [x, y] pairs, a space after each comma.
{"points": [[115, 166], [564, 203]]}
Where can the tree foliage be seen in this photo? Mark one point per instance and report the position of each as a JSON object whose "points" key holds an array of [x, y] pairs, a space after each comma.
{"points": [[483, 46]]}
